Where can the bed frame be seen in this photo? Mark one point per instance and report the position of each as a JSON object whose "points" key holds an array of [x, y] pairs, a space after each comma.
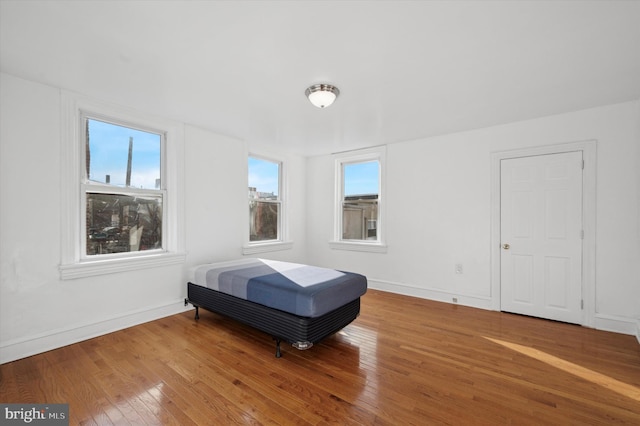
{"points": [[301, 332]]}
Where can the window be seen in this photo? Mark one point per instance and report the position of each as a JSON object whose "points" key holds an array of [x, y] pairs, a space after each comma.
{"points": [[360, 195], [359, 187], [122, 189], [264, 200], [121, 203]]}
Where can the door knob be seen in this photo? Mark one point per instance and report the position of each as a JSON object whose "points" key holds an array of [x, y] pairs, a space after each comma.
{"points": [[506, 246]]}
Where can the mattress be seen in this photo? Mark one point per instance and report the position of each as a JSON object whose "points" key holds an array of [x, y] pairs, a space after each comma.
{"points": [[303, 290]]}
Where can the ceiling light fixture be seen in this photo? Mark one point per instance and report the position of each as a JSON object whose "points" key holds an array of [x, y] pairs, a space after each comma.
{"points": [[322, 95]]}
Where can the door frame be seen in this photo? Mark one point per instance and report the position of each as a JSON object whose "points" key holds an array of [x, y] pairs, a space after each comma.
{"points": [[588, 149]]}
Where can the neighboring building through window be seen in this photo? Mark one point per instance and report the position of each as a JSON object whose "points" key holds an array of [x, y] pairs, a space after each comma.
{"points": [[360, 200], [122, 189], [265, 205]]}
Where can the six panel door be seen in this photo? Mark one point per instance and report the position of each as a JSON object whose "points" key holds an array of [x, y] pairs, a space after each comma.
{"points": [[541, 236]]}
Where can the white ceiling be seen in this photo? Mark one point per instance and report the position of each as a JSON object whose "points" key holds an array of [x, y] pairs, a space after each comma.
{"points": [[405, 69]]}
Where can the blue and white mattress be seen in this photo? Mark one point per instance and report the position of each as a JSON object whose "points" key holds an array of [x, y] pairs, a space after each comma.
{"points": [[302, 290]]}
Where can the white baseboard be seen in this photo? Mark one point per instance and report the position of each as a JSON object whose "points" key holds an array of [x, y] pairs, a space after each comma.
{"points": [[638, 330], [622, 325], [431, 294], [35, 344]]}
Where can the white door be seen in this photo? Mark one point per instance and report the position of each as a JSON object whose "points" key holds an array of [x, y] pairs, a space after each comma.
{"points": [[541, 236]]}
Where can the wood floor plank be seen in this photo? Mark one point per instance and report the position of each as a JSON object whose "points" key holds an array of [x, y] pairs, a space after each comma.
{"points": [[403, 361]]}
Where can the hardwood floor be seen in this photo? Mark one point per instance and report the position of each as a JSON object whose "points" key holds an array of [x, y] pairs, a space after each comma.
{"points": [[404, 361]]}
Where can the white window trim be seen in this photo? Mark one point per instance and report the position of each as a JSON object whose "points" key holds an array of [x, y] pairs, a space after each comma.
{"points": [[265, 247], [372, 154], [73, 263], [282, 243]]}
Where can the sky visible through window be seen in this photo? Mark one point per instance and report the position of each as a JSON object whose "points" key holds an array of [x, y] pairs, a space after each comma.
{"points": [[361, 178], [109, 151], [263, 175]]}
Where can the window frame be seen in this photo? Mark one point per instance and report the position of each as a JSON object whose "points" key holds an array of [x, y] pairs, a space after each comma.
{"points": [[88, 186], [75, 263], [376, 154], [282, 242]]}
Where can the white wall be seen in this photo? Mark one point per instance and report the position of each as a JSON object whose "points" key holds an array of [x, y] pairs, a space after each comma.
{"points": [[216, 197], [38, 310], [438, 195]]}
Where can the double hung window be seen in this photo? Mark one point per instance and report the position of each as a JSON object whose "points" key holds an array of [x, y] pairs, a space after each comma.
{"points": [[122, 189], [265, 204], [360, 198], [359, 202], [121, 198]]}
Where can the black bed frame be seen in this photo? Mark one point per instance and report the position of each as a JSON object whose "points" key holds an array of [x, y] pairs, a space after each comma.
{"points": [[301, 332]]}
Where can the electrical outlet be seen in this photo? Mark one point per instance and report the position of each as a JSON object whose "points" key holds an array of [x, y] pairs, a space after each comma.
{"points": [[458, 268]]}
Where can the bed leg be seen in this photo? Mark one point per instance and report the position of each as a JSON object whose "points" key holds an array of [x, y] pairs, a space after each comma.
{"points": [[187, 301], [278, 353]]}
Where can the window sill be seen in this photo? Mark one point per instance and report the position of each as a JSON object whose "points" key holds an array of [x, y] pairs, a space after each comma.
{"points": [[112, 266], [358, 246], [267, 247]]}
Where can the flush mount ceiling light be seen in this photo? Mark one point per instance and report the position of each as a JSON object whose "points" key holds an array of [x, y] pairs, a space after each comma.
{"points": [[322, 95]]}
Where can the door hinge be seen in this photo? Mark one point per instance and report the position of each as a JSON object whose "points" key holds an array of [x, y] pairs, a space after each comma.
{"points": [[582, 304], [582, 234], [582, 164]]}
